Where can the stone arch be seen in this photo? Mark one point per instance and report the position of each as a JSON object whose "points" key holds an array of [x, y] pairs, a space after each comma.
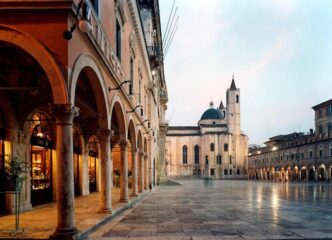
{"points": [[311, 175], [132, 133], [47, 62], [118, 114], [85, 62]]}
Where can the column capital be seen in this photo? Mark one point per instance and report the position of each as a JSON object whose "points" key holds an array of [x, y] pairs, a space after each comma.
{"points": [[140, 152], [64, 113], [123, 143], [105, 134]]}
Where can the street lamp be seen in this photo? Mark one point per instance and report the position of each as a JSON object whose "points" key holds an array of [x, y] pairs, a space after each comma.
{"points": [[84, 20]]}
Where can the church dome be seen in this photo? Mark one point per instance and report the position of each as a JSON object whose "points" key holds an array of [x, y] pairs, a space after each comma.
{"points": [[212, 113]]}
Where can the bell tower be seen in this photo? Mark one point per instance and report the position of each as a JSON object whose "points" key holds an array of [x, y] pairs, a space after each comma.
{"points": [[233, 109]]}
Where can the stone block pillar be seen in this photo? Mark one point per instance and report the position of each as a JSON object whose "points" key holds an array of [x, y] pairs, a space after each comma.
{"points": [[64, 115], [141, 172], [124, 172], [106, 172], [134, 172]]}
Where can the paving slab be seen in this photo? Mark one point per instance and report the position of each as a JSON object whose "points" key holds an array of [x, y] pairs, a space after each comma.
{"points": [[217, 209]]}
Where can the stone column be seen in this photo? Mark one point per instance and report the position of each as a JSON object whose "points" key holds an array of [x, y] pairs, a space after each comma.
{"points": [[141, 172], [307, 174], [134, 172], [146, 171], [64, 115], [124, 172], [106, 171]]}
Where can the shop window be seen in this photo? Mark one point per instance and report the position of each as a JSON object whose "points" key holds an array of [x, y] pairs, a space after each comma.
{"points": [[185, 154], [92, 164], [196, 154], [41, 159]]}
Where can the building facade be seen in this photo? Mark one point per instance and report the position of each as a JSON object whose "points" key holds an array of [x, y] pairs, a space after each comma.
{"points": [[82, 100], [297, 156], [216, 148]]}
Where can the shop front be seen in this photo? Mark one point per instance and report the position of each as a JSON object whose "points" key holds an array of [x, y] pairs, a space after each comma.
{"points": [[41, 160], [92, 165]]}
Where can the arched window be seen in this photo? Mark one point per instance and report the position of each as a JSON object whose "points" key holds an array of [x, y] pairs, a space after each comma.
{"points": [[212, 147], [237, 98], [185, 154], [206, 160], [321, 150], [225, 147], [196, 154], [310, 151]]}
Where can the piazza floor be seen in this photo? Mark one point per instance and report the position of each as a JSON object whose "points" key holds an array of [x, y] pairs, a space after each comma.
{"points": [[203, 209]]}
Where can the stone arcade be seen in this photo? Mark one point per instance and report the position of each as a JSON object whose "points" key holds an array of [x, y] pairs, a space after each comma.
{"points": [[85, 113]]}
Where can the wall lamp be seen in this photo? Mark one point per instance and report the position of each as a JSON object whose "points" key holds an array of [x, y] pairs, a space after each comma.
{"points": [[146, 120], [134, 109], [120, 85], [84, 22]]}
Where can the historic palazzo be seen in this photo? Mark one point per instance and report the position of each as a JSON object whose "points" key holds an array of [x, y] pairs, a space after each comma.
{"points": [[82, 101], [297, 156], [216, 148]]}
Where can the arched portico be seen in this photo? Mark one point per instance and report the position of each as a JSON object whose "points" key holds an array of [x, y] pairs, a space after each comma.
{"points": [[119, 146], [133, 157]]}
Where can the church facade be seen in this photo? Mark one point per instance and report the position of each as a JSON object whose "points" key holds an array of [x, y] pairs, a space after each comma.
{"points": [[216, 148]]}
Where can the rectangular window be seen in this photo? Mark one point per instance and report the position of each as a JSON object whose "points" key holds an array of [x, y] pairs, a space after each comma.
{"points": [[140, 92], [225, 147], [131, 84], [329, 129], [302, 155], [219, 159], [320, 113], [329, 110], [310, 153], [281, 157], [230, 159], [226, 172], [206, 160], [95, 6], [230, 171], [118, 40]]}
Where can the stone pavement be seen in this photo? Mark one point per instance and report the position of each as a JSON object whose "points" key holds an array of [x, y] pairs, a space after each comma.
{"points": [[40, 222], [202, 209]]}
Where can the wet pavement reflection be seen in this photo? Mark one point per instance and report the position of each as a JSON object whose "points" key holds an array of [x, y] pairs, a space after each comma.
{"points": [[205, 209]]}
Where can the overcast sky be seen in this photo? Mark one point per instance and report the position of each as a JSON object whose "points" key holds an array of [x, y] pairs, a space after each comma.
{"points": [[280, 52]]}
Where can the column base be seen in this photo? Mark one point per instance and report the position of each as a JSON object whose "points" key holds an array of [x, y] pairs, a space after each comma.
{"points": [[124, 200], [66, 234], [105, 210], [134, 194]]}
